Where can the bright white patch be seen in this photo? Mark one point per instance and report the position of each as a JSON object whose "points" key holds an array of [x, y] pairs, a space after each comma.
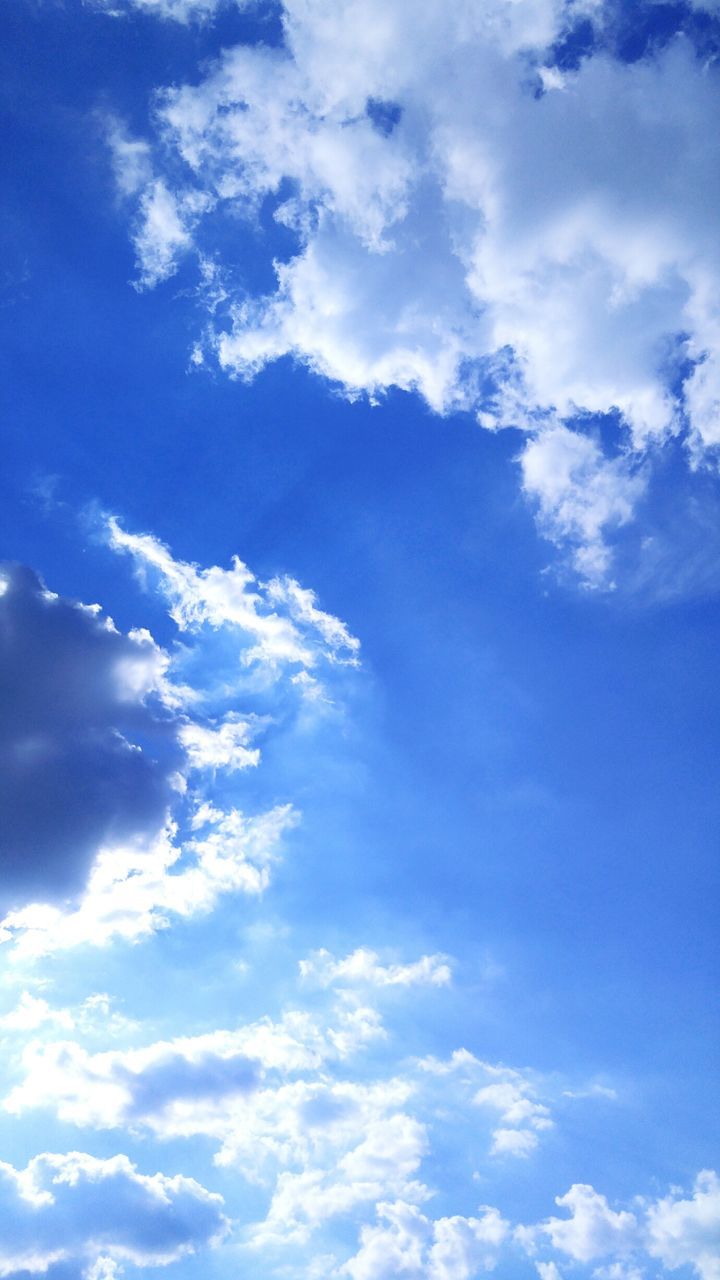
{"points": [[224, 747], [363, 967], [407, 1243], [593, 1229], [580, 495], [688, 1231], [133, 890]]}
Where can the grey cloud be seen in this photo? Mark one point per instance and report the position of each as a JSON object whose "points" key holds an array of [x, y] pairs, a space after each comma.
{"points": [[73, 716], [63, 1211], [173, 1077]]}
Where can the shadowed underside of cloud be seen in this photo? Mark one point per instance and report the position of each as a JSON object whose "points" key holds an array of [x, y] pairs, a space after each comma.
{"points": [[73, 711], [101, 736], [76, 1209], [472, 221]]}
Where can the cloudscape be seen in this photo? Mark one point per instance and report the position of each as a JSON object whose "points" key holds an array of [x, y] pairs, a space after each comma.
{"points": [[358, 639]]}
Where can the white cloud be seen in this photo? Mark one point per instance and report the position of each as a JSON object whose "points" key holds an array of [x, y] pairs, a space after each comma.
{"points": [[548, 1271], [77, 1208], [687, 1231], [363, 967], [221, 747], [32, 1012], [301, 604], [593, 1229], [381, 1164], [95, 1015], [135, 889], [408, 1244], [164, 230], [464, 1246], [675, 1230], [511, 1094], [196, 1084], [513, 1142], [185, 11], [455, 199], [131, 157], [580, 494], [233, 598]]}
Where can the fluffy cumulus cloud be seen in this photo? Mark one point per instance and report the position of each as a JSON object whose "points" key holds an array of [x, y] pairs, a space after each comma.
{"points": [[676, 1230], [687, 1230], [407, 1243], [475, 218], [593, 1229], [96, 1213]]}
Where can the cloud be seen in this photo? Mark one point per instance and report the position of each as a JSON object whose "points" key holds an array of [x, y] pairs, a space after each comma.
{"points": [[408, 1244], [674, 1230], [521, 1115], [511, 1094], [32, 1012], [135, 889], [111, 747], [471, 222], [687, 1231], [76, 1208], [363, 967], [185, 11], [221, 747], [581, 495], [298, 635], [94, 1014], [382, 1163], [593, 1229], [192, 1084], [77, 698]]}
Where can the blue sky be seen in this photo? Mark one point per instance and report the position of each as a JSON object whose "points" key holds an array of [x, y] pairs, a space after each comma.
{"points": [[359, 725]]}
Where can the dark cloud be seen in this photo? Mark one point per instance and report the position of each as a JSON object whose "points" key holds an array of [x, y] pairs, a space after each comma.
{"points": [[74, 1208], [83, 758]]}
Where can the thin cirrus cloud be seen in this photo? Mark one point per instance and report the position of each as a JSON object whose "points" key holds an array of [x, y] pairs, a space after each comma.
{"points": [[363, 966], [527, 241]]}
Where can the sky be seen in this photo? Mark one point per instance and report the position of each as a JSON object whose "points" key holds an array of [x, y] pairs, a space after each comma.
{"points": [[358, 634]]}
